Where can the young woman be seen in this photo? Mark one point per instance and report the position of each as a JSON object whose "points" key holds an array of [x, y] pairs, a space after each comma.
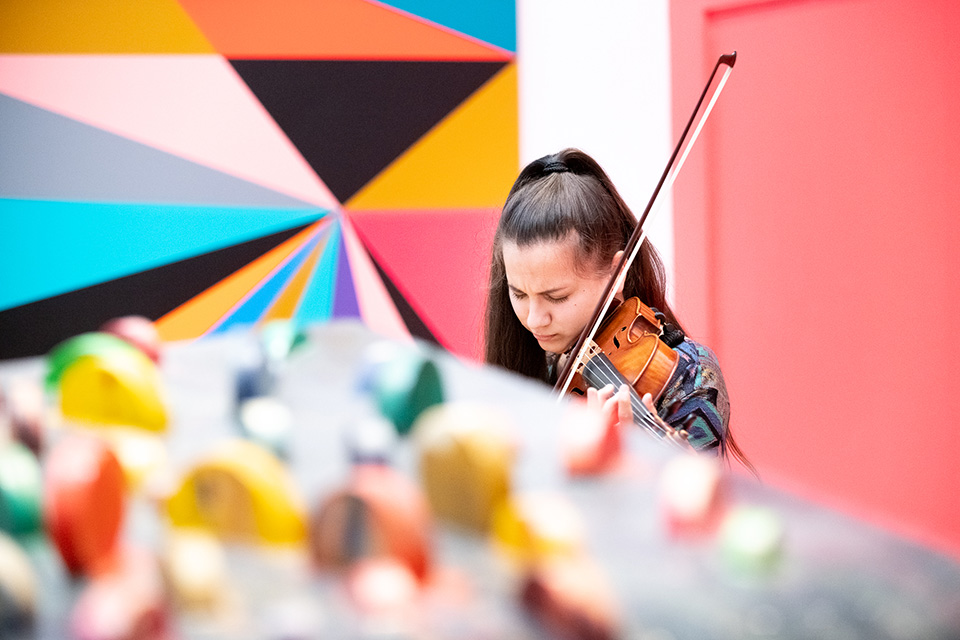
{"points": [[559, 239]]}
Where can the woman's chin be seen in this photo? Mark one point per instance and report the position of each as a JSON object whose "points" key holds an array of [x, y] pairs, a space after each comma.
{"points": [[553, 345]]}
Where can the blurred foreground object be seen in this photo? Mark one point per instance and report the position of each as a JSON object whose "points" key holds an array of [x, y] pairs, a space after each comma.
{"points": [[126, 602], [465, 460], [752, 539], [537, 526], [18, 589], [102, 379], [195, 568], [24, 409], [404, 384], [139, 332], [21, 489], [572, 599], [379, 513], [591, 446], [692, 495], [243, 493], [84, 505]]}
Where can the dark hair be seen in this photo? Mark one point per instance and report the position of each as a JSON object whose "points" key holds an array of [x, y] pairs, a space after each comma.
{"points": [[552, 197]]}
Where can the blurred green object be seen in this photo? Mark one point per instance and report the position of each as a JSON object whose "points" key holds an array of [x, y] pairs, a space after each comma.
{"points": [[280, 338], [21, 490], [751, 540], [93, 343], [405, 386]]}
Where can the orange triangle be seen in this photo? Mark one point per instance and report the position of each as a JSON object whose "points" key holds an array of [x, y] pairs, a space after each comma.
{"points": [[331, 29], [98, 26], [435, 173], [287, 302], [195, 317]]}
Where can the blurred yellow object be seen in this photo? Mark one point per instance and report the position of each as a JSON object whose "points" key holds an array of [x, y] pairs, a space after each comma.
{"points": [[465, 462], [195, 568], [120, 388], [537, 526], [242, 492]]}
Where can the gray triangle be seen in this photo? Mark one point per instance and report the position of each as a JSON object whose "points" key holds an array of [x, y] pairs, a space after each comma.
{"points": [[46, 156]]}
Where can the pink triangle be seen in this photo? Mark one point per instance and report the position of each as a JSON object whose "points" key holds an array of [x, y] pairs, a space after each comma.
{"points": [[194, 106], [376, 307]]}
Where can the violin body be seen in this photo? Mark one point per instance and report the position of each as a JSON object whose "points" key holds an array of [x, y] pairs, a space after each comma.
{"points": [[630, 340]]}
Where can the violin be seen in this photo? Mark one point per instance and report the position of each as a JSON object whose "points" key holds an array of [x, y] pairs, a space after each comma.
{"points": [[625, 346], [629, 344]]}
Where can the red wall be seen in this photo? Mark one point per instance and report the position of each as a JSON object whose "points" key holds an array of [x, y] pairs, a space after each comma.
{"points": [[817, 230]]}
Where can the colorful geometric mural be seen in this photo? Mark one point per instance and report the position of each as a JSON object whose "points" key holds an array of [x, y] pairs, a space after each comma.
{"points": [[213, 164]]}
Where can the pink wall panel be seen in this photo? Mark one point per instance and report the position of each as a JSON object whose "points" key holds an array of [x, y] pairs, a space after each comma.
{"points": [[816, 246]]}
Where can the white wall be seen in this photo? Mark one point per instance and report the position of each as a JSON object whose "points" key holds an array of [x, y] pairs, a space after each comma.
{"points": [[595, 74]]}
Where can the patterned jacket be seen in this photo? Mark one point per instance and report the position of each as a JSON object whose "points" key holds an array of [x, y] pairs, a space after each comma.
{"points": [[695, 398]]}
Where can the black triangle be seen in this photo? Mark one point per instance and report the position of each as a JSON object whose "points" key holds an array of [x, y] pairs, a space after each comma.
{"points": [[34, 328], [351, 118], [415, 324]]}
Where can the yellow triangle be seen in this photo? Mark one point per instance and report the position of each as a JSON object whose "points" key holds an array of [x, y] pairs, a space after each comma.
{"points": [[98, 26], [468, 160]]}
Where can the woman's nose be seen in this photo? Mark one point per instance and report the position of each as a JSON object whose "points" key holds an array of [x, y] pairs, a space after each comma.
{"points": [[537, 315]]}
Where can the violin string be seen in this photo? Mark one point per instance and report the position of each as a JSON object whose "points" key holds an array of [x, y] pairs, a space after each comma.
{"points": [[610, 375]]}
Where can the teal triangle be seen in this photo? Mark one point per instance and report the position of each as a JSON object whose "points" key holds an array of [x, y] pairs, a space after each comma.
{"points": [[316, 304], [49, 248], [493, 21]]}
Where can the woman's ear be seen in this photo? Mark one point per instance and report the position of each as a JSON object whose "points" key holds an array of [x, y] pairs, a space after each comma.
{"points": [[613, 265]]}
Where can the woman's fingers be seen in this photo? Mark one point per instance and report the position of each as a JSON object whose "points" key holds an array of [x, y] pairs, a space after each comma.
{"points": [[624, 408]]}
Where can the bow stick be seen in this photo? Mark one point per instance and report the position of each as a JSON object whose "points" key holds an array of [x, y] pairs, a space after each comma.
{"points": [[697, 119]]}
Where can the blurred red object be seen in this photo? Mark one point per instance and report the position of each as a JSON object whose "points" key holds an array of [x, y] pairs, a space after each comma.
{"points": [[138, 331]]}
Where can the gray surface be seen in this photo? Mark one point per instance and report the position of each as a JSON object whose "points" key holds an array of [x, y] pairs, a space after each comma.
{"points": [[839, 578], [47, 156]]}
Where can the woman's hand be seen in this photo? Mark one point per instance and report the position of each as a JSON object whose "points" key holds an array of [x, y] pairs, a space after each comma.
{"points": [[677, 436], [615, 407], [616, 410]]}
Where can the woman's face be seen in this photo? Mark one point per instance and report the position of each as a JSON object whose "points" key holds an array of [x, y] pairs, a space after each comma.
{"points": [[551, 294]]}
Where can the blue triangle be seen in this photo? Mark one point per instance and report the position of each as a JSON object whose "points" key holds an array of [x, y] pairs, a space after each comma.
{"points": [[253, 308]]}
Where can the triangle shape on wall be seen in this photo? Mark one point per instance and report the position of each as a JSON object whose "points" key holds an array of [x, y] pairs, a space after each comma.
{"points": [[196, 107], [195, 317], [254, 305], [434, 172], [33, 329], [350, 119], [373, 299], [329, 30], [493, 21], [98, 26], [318, 303], [48, 156], [432, 257], [290, 301], [102, 242]]}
